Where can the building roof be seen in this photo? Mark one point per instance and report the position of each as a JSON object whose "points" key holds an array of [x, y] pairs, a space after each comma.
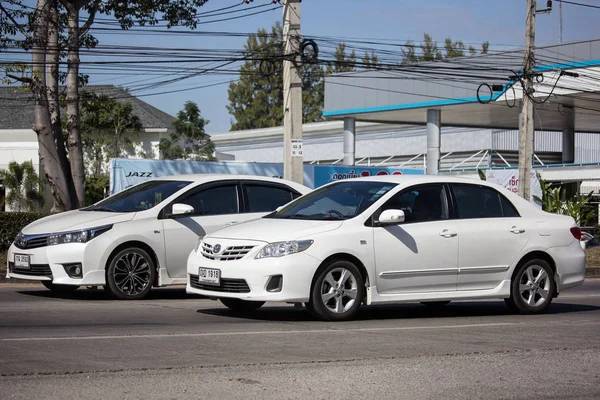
{"points": [[16, 107], [467, 90]]}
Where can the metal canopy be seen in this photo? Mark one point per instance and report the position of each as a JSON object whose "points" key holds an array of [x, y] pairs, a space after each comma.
{"points": [[404, 95]]}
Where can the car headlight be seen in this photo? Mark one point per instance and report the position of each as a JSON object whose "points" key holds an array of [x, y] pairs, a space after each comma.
{"points": [[80, 236], [280, 249], [198, 244]]}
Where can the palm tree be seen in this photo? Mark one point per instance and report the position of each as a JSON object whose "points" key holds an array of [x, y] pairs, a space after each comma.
{"points": [[22, 186]]}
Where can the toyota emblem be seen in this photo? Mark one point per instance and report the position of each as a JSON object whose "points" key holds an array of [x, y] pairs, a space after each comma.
{"points": [[217, 249]]}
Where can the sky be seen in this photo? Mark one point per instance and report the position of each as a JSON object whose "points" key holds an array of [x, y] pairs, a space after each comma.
{"points": [[501, 22]]}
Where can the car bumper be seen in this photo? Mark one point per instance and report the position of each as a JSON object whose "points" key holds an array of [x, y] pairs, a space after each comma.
{"points": [[570, 265], [248, 278], [48, 263]]}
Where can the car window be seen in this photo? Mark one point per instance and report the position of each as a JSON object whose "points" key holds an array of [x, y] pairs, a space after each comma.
{"points": [[139, 197], [338, 201], [421, 203], [481, 202], [263, 198], [214, 201]]}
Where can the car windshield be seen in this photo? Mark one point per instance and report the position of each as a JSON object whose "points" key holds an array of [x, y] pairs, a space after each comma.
{"points": [[139, 197], [343, 200]]}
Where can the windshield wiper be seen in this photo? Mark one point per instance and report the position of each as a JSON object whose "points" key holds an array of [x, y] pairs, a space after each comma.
{"points": [[100, 209]]}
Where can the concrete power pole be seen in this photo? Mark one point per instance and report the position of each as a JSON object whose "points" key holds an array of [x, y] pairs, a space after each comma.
{"points": [[293, 166], [526, 127]]}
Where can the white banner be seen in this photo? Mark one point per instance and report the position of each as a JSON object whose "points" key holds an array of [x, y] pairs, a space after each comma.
{"points": [[509, 178]]}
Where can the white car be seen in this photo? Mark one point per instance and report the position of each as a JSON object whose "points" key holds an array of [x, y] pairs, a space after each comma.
{"points": [[385, 239], [141, 237]]}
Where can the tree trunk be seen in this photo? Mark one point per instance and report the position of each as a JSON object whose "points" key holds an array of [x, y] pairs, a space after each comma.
{"points": [[52, 59], [72, 100], [49, 158]]}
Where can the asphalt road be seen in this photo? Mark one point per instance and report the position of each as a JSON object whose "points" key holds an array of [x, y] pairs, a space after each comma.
{"points": [[174, 346]]}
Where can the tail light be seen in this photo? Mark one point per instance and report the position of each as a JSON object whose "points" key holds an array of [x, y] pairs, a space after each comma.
{"points": [[576, 232]]}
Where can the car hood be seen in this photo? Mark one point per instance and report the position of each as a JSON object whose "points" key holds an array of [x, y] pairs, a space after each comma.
{"points": [[275, 230], [75, 220]]}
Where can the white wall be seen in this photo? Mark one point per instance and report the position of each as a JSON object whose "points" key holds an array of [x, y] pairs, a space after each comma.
{"points": [[21, 145]]}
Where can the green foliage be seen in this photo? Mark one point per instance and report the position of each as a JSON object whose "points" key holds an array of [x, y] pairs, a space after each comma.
{"points": [[343, 62], [430, 51], [256, 100], [109, 129], [23, 187], [481, 174], [95, 188], [554, 200], [11, 224], [189, 141]]}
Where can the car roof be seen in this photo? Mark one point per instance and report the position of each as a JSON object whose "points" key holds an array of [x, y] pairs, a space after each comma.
{"points": [[414, 179], [204, 178]]}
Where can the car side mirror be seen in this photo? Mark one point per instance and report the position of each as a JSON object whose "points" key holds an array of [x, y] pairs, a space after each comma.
{"points": [[391, 217], [181, 209]]}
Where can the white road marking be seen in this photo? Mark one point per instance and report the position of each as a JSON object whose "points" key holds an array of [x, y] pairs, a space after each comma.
{"points": [[204, 334]]}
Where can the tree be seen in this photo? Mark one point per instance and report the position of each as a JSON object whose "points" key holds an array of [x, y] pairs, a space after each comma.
{"points": [[342, 61], [189, 141], [370, 61], [109, 130], [430, 51], [256, 99], [22, 186], [41, 29]]}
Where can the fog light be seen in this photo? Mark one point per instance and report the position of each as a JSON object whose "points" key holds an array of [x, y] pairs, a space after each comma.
{"points": [[275, 284], [74, 270]]}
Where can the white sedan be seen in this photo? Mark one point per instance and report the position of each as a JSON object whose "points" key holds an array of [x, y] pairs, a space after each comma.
{"points": [[141, 237], [392, 239]]}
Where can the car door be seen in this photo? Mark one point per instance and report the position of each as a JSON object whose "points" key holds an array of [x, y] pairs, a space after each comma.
{"points": [[420, 254], [491, 235], [216, 205]]}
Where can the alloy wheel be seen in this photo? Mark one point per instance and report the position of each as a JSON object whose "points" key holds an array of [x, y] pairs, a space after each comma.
{"points": [[132, 274], [339, 290], [534, 286]]}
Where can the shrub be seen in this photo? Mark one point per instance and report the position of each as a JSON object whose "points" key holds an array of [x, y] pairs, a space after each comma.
{"points": [[11, 224]]}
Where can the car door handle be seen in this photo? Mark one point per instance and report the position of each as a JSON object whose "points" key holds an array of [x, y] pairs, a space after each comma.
{"points": [[231, 223], [516, 230], [447, 234]]}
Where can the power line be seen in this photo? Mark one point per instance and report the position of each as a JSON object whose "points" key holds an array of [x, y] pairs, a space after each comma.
{"points": [[578, 4]]}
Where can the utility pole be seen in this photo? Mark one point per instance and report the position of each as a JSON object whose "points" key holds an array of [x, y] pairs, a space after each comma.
{"points": [[293, 167], [560, 22], [526, 127]]}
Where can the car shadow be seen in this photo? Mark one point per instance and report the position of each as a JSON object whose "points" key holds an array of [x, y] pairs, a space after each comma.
{"points": [[101, 294], [397, 311]]}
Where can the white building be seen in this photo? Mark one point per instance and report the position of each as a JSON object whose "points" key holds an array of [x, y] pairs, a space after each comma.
{"points": [[18, 142]]}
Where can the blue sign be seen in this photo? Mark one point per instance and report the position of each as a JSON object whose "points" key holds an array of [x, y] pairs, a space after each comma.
{"points": [[324, 174], [128, 172]]}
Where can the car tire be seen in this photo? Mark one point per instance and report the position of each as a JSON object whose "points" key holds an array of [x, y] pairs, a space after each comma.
{"points": [[337, 292], [532, 288], [59, 288], [435, 304], [239, 305], [130, 274]]}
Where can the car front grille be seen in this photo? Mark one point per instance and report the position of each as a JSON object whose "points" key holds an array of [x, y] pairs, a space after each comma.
{"points": [[229, 254], [34, 270], [31, 241], [226, 286]]}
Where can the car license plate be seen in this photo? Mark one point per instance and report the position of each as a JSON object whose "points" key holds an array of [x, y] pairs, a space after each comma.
{"points": [[209, 276], [22, 261]]}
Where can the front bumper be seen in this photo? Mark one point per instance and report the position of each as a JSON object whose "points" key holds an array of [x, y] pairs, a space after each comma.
{"points": [[247, 278], [47, 263]]}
